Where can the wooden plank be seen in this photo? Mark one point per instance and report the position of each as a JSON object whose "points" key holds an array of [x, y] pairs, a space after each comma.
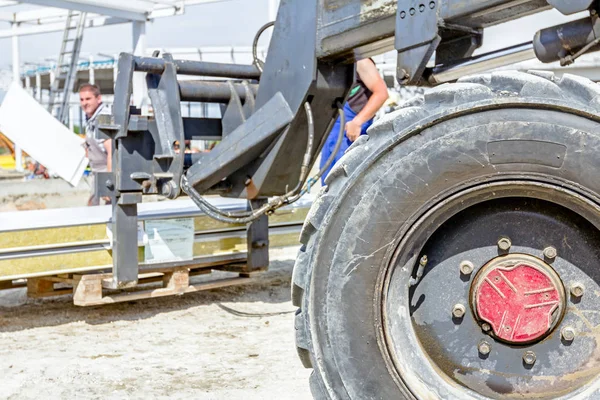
{"points": [[55, 292], [87, 289], [39, 288], [177, 283], [59, 279], [6, 285]]}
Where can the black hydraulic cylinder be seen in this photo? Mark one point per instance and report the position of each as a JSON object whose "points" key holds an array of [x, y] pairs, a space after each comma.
{"points": [[552, 44], [198, 68], [211, 92]]}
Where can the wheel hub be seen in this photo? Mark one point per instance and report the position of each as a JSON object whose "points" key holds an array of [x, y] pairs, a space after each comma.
{"points": [[520, 297], [457, 321]]}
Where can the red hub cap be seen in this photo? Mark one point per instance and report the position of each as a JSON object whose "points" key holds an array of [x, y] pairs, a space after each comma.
{"points": [[519, 296]]}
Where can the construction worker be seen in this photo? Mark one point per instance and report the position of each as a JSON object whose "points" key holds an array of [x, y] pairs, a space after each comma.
{"points": [[365, 99], [98, 150]]}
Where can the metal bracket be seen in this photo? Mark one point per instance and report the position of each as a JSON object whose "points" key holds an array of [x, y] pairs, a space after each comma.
{"points": [[457, 43], [234, 114], [164, 95], [416, 38], [242, 145], [105, 184], [123, 91], [258, 239], [124, 242], [250, 102]]}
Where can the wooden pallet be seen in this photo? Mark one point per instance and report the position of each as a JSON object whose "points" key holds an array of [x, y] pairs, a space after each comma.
{"points": [[13, 284], [90, 289]]}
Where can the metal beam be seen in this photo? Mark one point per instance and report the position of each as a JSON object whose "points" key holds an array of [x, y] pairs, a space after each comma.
{"points": [[16, 79], [24, 30], [139, 48], [91, 8], [37, 15], [47, 20]]}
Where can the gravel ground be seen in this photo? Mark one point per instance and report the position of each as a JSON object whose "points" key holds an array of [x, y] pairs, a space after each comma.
{"points": [[231, 343]]}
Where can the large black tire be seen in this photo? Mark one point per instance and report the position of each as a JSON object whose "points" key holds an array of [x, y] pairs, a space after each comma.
{"points": [[506, 134]]}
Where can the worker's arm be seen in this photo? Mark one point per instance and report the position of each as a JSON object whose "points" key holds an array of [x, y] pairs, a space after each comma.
{"points": [[369, 74], [108, 147]]}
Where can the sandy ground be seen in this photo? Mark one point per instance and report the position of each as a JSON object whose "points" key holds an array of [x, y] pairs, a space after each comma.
{"points": [[231, 343]]}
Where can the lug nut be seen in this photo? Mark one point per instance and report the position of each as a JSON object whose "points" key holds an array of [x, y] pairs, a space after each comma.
{"points": [[577, 289], [529, 357], [484, 348], [466, 267], [486, 327], [550, 253], [504, 244], [458, 311], [568, 334]]}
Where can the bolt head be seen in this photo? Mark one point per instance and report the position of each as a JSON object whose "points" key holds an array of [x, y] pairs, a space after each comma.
{"points": [[412, 11], [109, 184], [169, 190], [486, 327], [529, 357], [568, 334], [402, 14], [422, 7], [550, 253], [432, 5], [466, 267], [577, 289], [146, 185], [484, 348], [458, 311], [504, 244]]}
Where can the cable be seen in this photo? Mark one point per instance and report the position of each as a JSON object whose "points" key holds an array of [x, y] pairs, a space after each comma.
{"points": [[259, 63], [241, 217], [255, 315], [288, 198], [306, 161], [326, 166]]}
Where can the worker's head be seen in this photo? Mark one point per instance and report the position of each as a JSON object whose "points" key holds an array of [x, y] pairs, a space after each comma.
{"points": [[89, 98]]}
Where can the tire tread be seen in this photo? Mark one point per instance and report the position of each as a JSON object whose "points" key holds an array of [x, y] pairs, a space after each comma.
{"points": [[531, 84]]}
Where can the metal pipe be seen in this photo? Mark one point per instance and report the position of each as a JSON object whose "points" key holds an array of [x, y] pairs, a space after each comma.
{"points": [[481, 63], [198, 68], [211, 92]]}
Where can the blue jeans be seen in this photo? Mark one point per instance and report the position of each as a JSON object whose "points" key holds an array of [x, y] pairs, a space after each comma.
{"points": [[329, 145]]}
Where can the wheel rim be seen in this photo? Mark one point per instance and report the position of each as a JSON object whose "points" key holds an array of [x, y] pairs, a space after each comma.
{"points": [[447, 339]]}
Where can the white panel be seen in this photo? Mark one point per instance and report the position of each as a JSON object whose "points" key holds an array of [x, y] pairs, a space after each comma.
{"points": [[25, 122]]}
